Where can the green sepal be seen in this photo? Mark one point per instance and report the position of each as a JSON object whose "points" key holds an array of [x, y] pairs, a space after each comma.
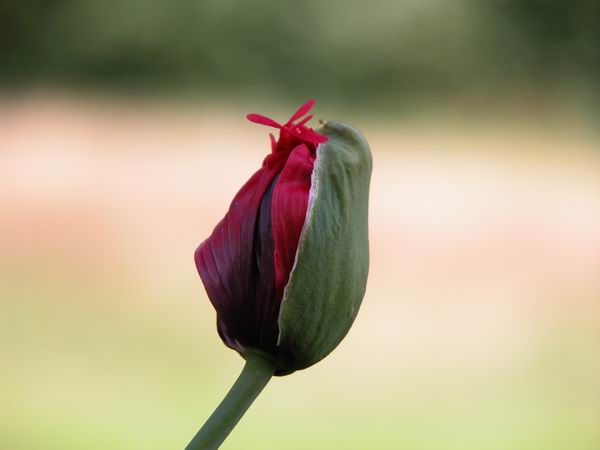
{"points": [[329, 277]]}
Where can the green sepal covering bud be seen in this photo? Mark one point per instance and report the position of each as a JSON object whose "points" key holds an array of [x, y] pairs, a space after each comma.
{"points": [[328, 280]]}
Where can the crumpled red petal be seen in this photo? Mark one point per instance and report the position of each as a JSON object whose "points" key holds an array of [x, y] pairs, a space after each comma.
{"points": [[263, 120], [288, 211], [301, 111]]}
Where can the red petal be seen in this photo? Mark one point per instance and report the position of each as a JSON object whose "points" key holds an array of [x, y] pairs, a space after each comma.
{"points": [[263, 120], [302, 110], [310, 135], [227, 262], [288, 211]]}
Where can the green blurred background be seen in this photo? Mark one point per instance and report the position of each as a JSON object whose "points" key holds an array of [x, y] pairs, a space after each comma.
{"points": [[349, 51], [123, 139]]}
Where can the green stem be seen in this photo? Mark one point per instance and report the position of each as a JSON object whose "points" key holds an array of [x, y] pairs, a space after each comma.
{"points": [[255, 375]]}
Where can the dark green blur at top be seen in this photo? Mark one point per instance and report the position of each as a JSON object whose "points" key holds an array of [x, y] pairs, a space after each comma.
{"points": [[349, 51]]}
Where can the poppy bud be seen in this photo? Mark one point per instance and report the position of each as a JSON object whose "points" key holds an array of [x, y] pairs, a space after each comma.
{"points": [[286, 268]]}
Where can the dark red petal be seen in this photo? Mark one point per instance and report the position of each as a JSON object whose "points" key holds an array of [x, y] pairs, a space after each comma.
{"points": [[302, 110], [228, 263], [288, 211], [265, 330], [263, 120]]}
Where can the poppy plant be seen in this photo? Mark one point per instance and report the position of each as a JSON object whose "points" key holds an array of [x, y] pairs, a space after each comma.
{"points": [[286, 268]]}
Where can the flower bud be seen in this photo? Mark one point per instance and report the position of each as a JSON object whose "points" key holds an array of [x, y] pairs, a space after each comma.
{"points": [[286, 268]]}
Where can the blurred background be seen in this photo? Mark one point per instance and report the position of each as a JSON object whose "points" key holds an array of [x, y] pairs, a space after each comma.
{"points": [[123, 140]]}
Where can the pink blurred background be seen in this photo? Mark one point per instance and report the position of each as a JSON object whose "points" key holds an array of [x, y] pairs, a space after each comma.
{"points": [[480, 327]]}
